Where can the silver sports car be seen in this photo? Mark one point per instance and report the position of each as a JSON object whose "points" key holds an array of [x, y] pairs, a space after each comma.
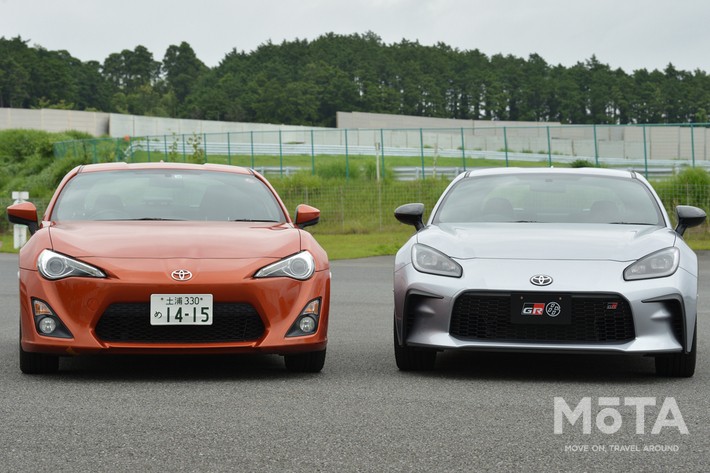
{"points": [[547, 260]]}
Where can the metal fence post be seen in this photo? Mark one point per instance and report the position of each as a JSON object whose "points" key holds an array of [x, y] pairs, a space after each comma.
{"points": [[165, 146], [347, 157], [204, 147], [421, 149], [645, 154], [313, 155], [596, 147], [251, 140], [505, 144], [549, 148], [281, 156], [229, 149], [692, 143], [382, 151], [463, 150]]}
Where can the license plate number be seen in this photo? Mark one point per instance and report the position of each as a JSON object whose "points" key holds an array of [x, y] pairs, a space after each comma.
{"points": [[181, 309]]}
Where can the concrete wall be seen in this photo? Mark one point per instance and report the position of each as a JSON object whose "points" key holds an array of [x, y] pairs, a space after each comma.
{"points": [[354, 120], [134, 125], [371, 131], [94, 123]]}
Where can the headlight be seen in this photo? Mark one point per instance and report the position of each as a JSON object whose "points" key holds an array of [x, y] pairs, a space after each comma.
{"points": [[299, 266], [428, 260], [656, 265], [55, 266]]}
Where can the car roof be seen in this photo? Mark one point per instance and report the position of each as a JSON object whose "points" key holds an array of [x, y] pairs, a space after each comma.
{"points": [[576, 171], [160, 165]]}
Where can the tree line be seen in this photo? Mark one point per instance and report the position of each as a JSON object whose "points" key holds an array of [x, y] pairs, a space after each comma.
{"points": [[303, 82]]}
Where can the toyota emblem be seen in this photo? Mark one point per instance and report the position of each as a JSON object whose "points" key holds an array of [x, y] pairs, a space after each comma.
{"points": [[181, 275], [541, 280]]}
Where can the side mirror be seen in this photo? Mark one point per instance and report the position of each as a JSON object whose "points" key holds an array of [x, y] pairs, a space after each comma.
{"points": [[411, 214], [306, 216], [688, 216], [24, 214]]}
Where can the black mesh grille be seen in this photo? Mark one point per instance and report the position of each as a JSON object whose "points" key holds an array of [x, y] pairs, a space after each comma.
{"points": [[232, 322], [488, 317]]}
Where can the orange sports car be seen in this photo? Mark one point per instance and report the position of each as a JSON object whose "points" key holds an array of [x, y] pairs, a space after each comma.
{"points": [[173, 259]]}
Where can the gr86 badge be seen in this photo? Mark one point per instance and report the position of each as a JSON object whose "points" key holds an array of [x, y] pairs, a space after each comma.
{"points": [[550, 309], [532, 308], [541, 309]]}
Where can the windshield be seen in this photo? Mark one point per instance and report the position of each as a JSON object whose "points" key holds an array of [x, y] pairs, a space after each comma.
{"points": [[550, 198], [167, 195]]}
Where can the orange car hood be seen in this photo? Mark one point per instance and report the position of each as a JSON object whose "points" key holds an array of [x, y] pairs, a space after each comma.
{"points": [[156, 239]]}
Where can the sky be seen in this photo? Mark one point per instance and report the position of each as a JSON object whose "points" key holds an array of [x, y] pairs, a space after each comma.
{"points": [[626, 34]]}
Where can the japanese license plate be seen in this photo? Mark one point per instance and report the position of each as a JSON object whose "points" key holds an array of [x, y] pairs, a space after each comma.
{"points": [[181, 309]]}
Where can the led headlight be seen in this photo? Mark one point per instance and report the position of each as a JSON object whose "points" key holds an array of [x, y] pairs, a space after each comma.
{"points": [[56, 266], [299, 266], [428, 260], [656, 265]]}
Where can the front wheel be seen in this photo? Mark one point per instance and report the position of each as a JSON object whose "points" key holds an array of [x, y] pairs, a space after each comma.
{"points": [[311, 362], [678, 365], [413, 359], [38, 363]]}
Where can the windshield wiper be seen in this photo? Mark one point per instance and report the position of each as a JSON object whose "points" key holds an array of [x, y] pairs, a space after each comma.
{"points": [[631, 223], [251, 220], [159, 219]]}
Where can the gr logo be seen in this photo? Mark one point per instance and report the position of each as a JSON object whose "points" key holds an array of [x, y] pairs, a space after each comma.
{"points": [[610, 416], [552, 309], [532, 308]]}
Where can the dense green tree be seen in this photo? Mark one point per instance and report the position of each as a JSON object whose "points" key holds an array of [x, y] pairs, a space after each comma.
{"points": [[93, 91], [307, 82], [129, 70], [16, 59], [14, 83], [182, 69]]}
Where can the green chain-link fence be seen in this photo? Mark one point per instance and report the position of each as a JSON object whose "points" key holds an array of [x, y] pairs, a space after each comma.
{"points": [[407, 154], [362, 175]]}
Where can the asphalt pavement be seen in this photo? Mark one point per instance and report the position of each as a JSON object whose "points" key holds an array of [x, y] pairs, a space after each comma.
{"points": [[476, 412]]}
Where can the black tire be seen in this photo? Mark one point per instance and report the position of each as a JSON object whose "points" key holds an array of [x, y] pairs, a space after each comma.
{"points": [[678, 365], [311, 362], [38, 363], [413, 359]]}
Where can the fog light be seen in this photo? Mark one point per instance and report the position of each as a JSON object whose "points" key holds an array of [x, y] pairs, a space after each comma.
{"points": [[47, 325], [307, 324], [307, 321]]}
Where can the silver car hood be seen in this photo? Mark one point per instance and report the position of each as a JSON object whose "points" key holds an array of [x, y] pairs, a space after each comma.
{"points": [[547, 240]]}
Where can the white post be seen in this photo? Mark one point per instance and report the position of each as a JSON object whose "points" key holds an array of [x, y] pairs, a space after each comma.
{"points": [[20, 231]]}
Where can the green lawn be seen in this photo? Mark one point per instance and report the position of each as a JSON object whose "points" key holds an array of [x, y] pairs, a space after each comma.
{"points": [[351, 246], [361, 246]]}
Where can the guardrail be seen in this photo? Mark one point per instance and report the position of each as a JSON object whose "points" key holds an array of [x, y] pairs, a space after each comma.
{"points": [[659, 168], [653, 150]]}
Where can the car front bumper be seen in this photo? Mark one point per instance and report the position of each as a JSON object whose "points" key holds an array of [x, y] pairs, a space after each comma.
{"points": [[80, 303], [663, 310]]}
